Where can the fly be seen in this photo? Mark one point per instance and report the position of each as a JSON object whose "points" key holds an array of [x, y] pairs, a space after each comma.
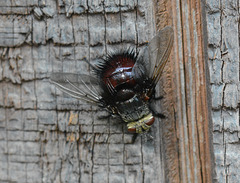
{"points": [[124, 82]]}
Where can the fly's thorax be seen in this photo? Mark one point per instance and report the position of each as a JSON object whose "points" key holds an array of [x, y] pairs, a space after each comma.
{"points": [[141, 125], [133, 109]]}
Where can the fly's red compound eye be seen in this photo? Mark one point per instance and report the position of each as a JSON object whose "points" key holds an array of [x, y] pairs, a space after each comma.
{"points": [[150, 122], [132, 130], [141, 125]]}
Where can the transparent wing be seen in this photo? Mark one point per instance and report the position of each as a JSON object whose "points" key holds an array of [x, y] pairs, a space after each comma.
{"points": [[155, 56], [79, 86], [159, 50]]}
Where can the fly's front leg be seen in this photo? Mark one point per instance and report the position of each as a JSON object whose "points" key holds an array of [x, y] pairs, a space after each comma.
{"points": [[134, 137]]}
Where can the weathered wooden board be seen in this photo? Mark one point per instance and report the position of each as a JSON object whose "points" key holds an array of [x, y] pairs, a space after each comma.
{"points": [[191, 123], [46, 138], [223, 51]]}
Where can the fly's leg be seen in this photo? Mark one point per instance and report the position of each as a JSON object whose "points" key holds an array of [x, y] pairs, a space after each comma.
{"points": [[134, 137], [159, 115], [155, 113], [150, 137], [157, 98], [102, 117], [154, 97], [107, 115], [147, 137]]}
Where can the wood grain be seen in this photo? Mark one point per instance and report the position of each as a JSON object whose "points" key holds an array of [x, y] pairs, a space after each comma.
{"points": [[45, 137], [190, 127]]}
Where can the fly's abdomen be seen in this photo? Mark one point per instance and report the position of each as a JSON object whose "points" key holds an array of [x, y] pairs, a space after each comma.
{"points": [[136, 113], [133, 109]]}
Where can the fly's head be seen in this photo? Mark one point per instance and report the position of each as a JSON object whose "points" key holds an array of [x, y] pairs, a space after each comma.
{"points": [[142, 125]]}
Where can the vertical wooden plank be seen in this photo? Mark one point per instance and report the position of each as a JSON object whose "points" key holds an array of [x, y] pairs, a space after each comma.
{"points": [[38, 143], [189, 85], [196, 127]]}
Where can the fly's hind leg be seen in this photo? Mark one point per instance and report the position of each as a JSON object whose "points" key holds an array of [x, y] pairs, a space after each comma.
{"points": [[159, 115], [157, 98], [154, 97], [156, 113]]}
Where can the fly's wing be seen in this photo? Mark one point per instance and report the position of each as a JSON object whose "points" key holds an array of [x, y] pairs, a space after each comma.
{"points": [[159, 50], [154, 58], [79, 86]]}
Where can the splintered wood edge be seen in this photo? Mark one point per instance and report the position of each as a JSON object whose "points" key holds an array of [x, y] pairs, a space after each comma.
{"points": [[187, 130]]}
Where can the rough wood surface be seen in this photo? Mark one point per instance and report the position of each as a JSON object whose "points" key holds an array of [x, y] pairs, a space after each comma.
{"points": [[191, 129], [45, 137], [223, 51]]}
